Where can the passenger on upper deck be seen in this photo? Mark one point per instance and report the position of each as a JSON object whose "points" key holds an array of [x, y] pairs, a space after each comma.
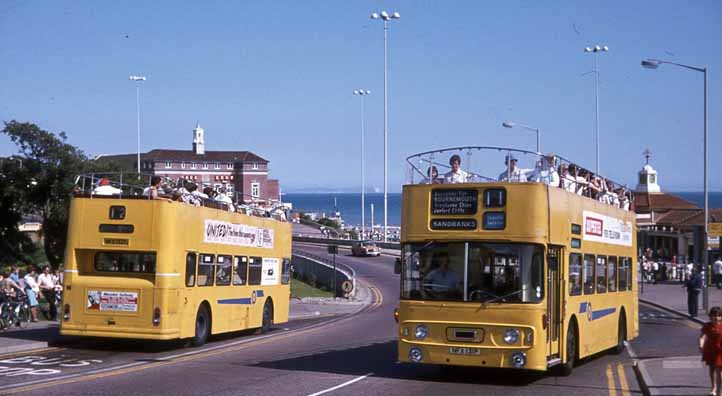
{"points": [[222, 197], [512, 173], [104, 188], [432, 176], [153, 191], [545, 172], [568, 181], [455, 175]]}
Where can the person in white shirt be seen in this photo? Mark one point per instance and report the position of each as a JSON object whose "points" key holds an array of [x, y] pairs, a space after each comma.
{"points": [[31, 290], [512, 173], [717, 270], [568, 181], [455, 175], [545, 172], [104, 188], [222, 197], [47, 287]]}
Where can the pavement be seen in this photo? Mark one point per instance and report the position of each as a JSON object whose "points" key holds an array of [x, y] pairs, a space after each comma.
{"points": [[675, 375]]}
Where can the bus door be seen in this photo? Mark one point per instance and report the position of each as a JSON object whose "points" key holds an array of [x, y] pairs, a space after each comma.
{"points": [[553, 317], [187, 303]]}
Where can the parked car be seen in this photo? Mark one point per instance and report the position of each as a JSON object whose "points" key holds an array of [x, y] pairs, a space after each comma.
{"points": [[365, 248]]}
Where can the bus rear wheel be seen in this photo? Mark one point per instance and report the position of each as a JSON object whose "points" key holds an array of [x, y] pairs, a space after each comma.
{"points": [[203, 327], [267, 320], [571, 352]]}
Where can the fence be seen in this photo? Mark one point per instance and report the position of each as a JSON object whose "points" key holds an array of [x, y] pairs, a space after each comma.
{"points": [[319, 271]]}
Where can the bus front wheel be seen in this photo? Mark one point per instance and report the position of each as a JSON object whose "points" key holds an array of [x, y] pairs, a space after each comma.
{"points": [[571, 351], [203, 327], [621, 336]]}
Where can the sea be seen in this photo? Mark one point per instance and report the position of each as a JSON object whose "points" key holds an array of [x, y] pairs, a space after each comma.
{"points": [[349, 204]]}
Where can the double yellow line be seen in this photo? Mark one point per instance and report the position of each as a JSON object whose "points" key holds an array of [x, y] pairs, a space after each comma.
{"points": [[378, 298], [611, 383]]}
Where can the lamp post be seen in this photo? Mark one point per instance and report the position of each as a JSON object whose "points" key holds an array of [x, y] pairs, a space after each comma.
{"points": [[362, 93], [386, 17], [596, 50], [509, 124], [137, 80], [653, 64]]}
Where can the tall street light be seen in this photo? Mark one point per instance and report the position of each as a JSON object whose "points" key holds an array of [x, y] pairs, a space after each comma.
{"points": [[653, 64], [362, 93], [509, 124], [137, 80], [386, 17], [596, 50]]}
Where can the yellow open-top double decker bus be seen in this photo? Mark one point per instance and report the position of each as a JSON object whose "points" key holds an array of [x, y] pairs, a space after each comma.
{"points": [[159, 269], [530, 269]]}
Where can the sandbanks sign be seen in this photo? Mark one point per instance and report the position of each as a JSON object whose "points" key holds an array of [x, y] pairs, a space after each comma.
{"points": [[605, 229], [226, 233]]}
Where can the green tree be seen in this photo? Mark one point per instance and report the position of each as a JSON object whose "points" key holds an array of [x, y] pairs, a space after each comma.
{"points": [[43, 185]]}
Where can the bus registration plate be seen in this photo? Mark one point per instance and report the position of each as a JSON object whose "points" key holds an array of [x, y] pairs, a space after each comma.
{"points": [[464, 351]]}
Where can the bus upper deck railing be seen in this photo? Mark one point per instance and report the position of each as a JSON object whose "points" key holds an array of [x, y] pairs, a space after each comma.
{"points": [[479, 164], [137, 186]]}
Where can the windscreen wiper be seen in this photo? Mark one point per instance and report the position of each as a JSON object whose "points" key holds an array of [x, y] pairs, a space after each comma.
{"points": [[483, 304]]}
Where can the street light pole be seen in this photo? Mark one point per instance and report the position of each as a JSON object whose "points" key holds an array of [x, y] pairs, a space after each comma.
{"points": [[386, 17], [653, 64], [596, 49], [137, 79], [362, 93], [509, 124]]}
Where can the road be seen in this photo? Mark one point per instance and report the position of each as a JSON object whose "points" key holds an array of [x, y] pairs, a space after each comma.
{"points": [[353, 355]]}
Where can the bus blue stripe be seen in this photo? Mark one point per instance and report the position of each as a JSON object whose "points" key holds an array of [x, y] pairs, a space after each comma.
{"points": [[246, 300], [602, 313]]}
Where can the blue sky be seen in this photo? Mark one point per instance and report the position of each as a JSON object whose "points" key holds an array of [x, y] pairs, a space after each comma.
{"points": [[276, 78]]}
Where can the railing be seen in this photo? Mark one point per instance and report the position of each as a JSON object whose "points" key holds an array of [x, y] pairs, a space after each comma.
{"points": [[477, 164], [136, 185]]}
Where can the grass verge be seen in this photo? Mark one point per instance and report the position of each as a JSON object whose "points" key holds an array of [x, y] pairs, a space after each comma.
{"points": [[301, 289]]}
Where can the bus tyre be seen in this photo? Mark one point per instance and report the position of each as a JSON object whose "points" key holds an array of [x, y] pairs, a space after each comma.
{"points": [[571, 352], [621, 336], [203, 327], [267, 320]]}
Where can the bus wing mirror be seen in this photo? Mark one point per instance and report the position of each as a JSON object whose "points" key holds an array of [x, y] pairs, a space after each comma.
{"points": [[553, 263], [397, 266]]}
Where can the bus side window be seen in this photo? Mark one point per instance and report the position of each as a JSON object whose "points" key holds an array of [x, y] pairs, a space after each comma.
{"points": [[588, 274], [575, 274], [622, 275], [190, 269], [223, 270], [629, 272], [255, 267], [601, 274], [206, 270], [286, 271], [612, 274], [240, 270]]}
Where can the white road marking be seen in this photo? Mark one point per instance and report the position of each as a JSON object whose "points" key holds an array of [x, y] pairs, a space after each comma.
{"points": [[347, 383]]}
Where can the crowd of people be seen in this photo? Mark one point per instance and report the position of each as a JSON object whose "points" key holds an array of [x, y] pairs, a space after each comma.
{"points": [[32, 285], [569, 177], [188, 192]]}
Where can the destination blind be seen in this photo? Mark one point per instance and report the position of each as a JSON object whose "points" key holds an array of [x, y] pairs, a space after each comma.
{"points": [[454, 201]]}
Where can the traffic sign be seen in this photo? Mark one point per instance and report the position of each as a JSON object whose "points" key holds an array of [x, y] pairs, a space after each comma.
{"points": [[714, 230], [347, 286]]}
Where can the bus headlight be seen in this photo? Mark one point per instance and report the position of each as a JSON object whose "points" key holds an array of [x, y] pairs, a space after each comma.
{"points": [[511, 336], [415, 355], [156, 316], [421, 332], [518, 359]]}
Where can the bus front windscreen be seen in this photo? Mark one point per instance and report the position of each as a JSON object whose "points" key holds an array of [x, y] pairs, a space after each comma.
{"points": [[495, 272]]}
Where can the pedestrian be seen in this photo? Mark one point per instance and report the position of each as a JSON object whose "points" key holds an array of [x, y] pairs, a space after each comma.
{"points": [[32, 289], [717, 268], [694, 286], [47, 287], [710, 345], [655, 272]]}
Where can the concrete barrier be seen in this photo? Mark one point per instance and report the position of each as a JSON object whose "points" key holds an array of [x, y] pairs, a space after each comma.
{"points": [[344, 242], [319, 271]]}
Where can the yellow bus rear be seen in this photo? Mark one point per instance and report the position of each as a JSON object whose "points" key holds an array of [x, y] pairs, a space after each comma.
{"points": [[154, 269]]}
